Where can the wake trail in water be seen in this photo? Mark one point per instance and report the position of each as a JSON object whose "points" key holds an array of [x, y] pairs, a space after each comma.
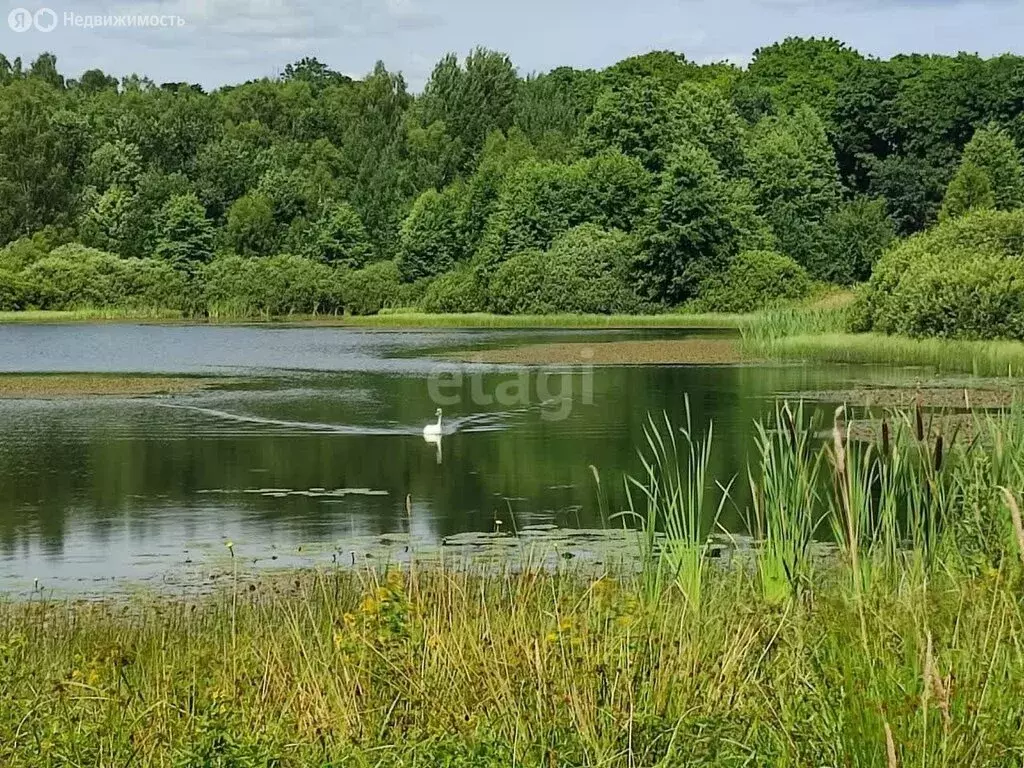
{"points": [[487, 422]]}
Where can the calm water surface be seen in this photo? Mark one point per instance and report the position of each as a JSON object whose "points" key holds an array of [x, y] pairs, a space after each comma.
{"points": [[319, 439]]}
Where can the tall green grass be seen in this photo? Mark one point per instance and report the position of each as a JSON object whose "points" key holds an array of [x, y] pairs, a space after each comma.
{"points": [[820, 334], [88, 315], [672, 498], [785, 510]]}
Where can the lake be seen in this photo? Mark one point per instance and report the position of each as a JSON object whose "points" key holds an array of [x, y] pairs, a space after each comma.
{"points": [[313, 444]]}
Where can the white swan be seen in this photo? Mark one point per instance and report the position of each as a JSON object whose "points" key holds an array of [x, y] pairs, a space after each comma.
{"points": [[433, 430]]}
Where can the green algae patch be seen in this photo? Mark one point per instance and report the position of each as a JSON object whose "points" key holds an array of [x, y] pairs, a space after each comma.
{"points": [[694, 351], [53, 386]]}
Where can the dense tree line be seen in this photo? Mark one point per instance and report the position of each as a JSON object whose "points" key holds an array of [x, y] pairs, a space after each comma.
{"points": [[655, 182]]}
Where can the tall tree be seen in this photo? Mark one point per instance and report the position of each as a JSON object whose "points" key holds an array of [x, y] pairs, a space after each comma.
{"points": [[992, 151], [470, 101], [340, 238], [42, 154], [431, 242], [634, 119], [699, 222], [186, 235], [374, 148], [796, 183]]}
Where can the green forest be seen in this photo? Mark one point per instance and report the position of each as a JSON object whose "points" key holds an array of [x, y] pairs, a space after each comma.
{"points": [[654, 184]]}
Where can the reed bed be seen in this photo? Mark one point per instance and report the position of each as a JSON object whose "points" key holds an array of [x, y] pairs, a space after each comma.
{"points": [[903, 646], [87, 315], [820, 334]]}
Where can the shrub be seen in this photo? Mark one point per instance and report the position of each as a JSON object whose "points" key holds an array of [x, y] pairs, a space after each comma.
{"points": [[458, 291], [17, 255], [754, 280], [964, 279], [590, 271], [368, 290], [12, 291], [587, 270], [275, 285], [152, 283], [73, 277], [517, 287]]}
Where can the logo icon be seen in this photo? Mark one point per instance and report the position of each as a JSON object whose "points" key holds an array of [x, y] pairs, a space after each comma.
{"points": [[20, 19], [45, 20]]}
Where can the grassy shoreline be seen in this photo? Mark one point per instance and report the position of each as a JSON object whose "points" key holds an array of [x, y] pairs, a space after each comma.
{"points": [[397, 320], [441, 667], [978, 358]]}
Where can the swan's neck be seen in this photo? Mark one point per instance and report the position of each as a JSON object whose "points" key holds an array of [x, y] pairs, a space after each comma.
{"points": [[439, 421]]}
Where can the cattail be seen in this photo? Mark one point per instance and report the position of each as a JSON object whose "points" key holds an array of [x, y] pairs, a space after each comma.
{"points": [[919, 420], [839, 440], [790, 425], [1018, 524], [886, 445], [938, 453]]}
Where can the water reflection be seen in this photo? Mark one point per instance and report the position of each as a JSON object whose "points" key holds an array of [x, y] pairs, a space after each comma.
{"points": [[95, 489]]}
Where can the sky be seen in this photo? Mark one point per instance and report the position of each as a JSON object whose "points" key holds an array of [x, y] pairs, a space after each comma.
{"points": [[221, 42]]}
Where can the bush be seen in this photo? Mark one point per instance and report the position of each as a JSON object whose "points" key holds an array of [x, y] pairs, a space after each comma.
{"points": [[368, 290], [458, 291], [74, 277], [590, 271], [962, 279], [152, 283], [275, 285], [587, 270], [754, 280], [12, 291], [517, 287], [17, 255]]}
